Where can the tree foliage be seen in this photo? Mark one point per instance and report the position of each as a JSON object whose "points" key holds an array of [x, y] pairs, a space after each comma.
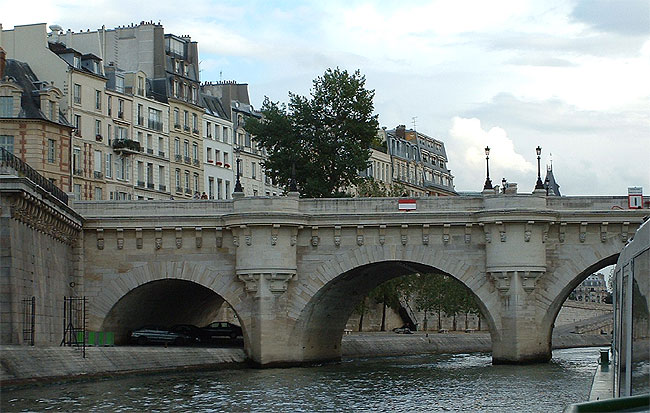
{"points": [[370, 187], [326, 137]]}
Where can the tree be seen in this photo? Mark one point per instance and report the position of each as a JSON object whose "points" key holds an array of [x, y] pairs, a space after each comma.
{"points": [[370, 187], [387, 294], [325, 138]]}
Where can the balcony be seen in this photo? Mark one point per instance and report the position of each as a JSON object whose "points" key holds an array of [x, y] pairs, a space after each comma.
{"points": [[126, 146], [140, 120], [186, 128], [150, 185], [163, 188], [150, 151], [196, 162], [177, 125], [98, 175], [78, 172], [179, 189], [120, 115], [188, 191], [179, 158], [209, 135], [140, 184], [98, 138], [187, 160], [195, 131], [161, 154], [155, 125]]}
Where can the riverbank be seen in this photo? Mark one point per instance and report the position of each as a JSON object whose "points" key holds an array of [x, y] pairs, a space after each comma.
{"points": [[25, 365]]}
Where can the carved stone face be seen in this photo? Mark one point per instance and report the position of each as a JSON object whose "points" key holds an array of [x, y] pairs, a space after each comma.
{"points": [[179, 242], [158, 243], [120, 243], [100, 244]]}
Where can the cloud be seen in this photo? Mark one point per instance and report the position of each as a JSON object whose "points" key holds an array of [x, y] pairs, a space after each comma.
{"points": [[467, 142]]}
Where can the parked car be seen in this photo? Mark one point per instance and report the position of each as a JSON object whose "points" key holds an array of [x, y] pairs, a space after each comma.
{"points": [[402, 330], [159, 334], [222, 329], [197, 334]]}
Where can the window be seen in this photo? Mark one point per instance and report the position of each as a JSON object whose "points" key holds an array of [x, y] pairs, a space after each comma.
{"points": [[208, 129], [161, 146], [225, 158], [120, 108], [248, 140], [209, 156], [53, 112], [7, 143], [77, 191], [149, 143], [186, 119], [98, 127], [253, 170], [210, 187], [177, 118], [76, 160], [161, 178], [225, 134], [187, 182], [77, 124], [119, 84], [150, 175], [99, 193], [178, 181], [109, 165], [195, 122], [140, 86], [219, 184], [77, 94], [51, 151], [109, 106], [155, 119], [98, 161], [195, 151], [196, 182], [177, 147], [186, 149], [98, 99], [6, 106], [140, 119]]}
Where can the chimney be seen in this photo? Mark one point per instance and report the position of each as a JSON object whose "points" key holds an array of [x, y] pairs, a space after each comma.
{"points": [[3, 62], [400, 131]]}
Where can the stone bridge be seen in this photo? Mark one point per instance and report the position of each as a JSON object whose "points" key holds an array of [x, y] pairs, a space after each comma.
{"points": [[294, 269]]}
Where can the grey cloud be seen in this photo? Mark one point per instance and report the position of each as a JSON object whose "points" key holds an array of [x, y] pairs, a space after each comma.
{"points": [[627, 17], [540, 61]]}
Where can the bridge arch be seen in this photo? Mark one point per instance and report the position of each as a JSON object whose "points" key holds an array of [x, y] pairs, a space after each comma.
{"points": [[574, 267], [165, 293], [339, 284]]}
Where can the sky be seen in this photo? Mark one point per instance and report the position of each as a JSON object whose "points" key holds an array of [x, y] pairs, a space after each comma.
{"points": [[572, 76]]}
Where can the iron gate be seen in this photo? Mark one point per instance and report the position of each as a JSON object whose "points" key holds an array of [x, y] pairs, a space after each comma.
{"points": [[74, 322], [29, 320]]}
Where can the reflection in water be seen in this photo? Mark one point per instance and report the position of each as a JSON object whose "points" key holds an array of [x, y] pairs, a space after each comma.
{"points": [[464, 382]]}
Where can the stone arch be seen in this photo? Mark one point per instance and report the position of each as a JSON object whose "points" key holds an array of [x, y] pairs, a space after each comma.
{"points": [[345, 271], [211, 286], [575, 266]]}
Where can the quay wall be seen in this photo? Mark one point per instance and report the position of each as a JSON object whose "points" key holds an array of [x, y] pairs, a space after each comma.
{"points": [[21, 365]]}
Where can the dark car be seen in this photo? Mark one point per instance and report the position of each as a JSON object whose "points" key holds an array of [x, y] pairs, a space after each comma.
{"points": [[197, 334], [402, 330], [221, 329], [159, 334]]}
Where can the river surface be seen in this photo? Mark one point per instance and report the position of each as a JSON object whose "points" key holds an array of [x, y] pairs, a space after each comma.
{"points": [[431, 383]]}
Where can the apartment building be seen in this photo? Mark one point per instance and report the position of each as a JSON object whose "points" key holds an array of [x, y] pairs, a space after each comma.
{"points": [[32, 126], [419, 162], [219, 168]]}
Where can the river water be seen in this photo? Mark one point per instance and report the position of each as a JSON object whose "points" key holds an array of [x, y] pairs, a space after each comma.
{"points": [[431, 383]]}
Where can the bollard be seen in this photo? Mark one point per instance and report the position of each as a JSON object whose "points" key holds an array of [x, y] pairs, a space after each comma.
{"points": [[604, 357]]}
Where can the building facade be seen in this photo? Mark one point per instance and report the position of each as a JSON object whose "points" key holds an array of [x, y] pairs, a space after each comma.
{"points": [[593, 290], [219, 169], [31, 124]]}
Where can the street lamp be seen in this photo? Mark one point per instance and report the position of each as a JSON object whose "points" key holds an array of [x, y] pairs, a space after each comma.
{"points": [[539, 184], [488, 182], [504, 183], [238, 187], [292, 183]]}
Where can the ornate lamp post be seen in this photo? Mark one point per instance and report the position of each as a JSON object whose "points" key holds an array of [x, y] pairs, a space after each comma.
{"points": [[488, 182], [539, 184], [238, 187], [504, 183], [292, 183]]}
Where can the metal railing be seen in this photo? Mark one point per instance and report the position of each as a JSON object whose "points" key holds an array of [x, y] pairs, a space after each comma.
{"points": [[7, 159]]}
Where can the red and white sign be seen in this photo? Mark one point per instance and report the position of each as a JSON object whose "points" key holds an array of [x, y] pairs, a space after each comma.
{"points": [[635, 197], [407, 204]]}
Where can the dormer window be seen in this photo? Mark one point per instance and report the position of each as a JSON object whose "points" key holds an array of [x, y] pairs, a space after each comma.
{"points": [[6, 106], [95, 67], [77, 62]]}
